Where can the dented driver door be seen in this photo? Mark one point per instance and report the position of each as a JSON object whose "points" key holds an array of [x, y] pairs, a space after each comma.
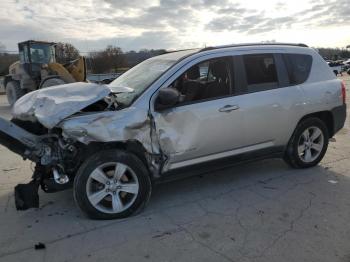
{"points": [[209, 125], [200, 132]]}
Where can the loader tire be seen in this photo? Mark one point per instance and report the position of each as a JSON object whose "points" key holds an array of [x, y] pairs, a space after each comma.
{"points": [[52, 81], [13, 92]]}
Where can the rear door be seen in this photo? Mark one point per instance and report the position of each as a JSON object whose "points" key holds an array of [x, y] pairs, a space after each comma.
{"points": [[269, 106]]}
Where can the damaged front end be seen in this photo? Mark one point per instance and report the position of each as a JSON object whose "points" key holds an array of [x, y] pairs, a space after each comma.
{"points": [[59, 127], [54, 156]]}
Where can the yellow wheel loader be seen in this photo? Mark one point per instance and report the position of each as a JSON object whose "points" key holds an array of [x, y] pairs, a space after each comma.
{"points": [[37, 68]]}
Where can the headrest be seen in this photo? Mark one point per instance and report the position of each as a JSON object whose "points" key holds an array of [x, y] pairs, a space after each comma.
{"points": [[193, 72]]}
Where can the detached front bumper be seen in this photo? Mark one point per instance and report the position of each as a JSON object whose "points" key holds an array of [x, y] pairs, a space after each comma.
{"points": [[24, 144], [44, 151], [18, 140]]}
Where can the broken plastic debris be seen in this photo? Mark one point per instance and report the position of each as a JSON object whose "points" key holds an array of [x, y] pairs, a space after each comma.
{"points": [[39, 246]]}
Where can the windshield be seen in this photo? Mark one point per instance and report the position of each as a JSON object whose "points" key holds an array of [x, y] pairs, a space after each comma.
{"points": [[42, 53], [139, 78]]}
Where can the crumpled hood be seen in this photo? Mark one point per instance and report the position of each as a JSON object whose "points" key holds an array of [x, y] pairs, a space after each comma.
{"points": [[51, 105]]}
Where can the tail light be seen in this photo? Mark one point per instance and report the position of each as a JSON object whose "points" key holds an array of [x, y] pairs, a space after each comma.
{"points": [[343, 92]]}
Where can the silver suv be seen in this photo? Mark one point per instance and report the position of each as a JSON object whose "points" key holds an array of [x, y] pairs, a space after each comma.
{"points": [[178, 113]]}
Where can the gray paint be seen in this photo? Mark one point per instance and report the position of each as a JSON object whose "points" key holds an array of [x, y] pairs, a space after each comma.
{"points": [[193, 133], [51, 105]]}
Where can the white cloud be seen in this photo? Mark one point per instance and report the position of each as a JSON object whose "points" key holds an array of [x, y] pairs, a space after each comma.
{"points": [[135, 24]]}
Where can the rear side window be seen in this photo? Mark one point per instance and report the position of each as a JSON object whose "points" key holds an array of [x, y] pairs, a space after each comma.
{"points": [[298, 67], [260, 71]]}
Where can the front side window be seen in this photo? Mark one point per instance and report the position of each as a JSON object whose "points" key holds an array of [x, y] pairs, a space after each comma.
{"points": [[298, 67], [260, 71], [207, 80], [23, 54]]}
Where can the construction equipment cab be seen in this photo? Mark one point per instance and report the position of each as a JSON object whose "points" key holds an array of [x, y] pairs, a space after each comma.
{"points": [[37, 68]]}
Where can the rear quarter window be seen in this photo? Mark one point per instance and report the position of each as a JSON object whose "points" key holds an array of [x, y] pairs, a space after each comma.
{"points": [[298, 67]]}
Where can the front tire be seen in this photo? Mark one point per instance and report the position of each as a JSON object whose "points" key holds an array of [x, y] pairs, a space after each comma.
{"points": [[112, 184], [13, 92], [308, 144]]}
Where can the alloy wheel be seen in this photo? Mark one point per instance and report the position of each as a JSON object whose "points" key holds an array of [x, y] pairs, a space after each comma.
{"points": [[311, 143], [112, 187]]}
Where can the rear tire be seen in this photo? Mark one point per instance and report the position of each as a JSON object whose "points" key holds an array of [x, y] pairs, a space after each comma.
{"points": [[13, 92], [112, 184], [308, 144]]}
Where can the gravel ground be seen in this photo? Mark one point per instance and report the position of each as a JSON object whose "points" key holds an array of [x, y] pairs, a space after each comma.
{"points": [[263, 211]]}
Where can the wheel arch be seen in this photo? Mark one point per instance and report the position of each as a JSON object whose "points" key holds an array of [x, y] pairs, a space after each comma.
{"points": [[132, 146], [325, 116]]}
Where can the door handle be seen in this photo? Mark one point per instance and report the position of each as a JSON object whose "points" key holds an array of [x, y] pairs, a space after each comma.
{"points": [[228, 108]]}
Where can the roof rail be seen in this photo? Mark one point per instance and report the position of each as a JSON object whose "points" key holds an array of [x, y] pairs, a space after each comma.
{"points": [[179, 50], [251, 44]]}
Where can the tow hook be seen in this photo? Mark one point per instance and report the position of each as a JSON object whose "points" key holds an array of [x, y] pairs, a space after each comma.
{"points": [[58, 182], [60, 178]]}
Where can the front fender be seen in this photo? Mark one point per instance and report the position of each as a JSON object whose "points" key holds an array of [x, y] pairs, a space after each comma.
{"points": [[111, 126]]}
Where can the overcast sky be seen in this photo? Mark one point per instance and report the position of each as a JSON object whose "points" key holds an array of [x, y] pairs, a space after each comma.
{"points": [[173, 24]]}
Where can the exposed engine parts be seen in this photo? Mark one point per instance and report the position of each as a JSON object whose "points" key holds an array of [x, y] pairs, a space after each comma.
{"points": [[56, 159], [60, 178]]}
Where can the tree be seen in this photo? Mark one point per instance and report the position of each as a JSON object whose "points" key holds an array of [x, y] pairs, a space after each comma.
{"points": [[334, 53], [108, 60], [112, 58], [66, 52], [133, 58], [6, 60]]}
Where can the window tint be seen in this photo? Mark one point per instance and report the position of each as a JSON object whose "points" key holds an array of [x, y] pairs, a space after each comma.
{"points": [[206, 80], [298, 67], [260, 70]]}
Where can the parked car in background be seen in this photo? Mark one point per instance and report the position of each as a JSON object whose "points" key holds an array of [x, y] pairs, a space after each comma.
{"points": [[102, 78], [180, 113], [337, 67], [346, 66]]}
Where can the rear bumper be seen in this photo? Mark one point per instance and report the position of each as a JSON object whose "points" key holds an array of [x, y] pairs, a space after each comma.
{"points": [[339, 116]]}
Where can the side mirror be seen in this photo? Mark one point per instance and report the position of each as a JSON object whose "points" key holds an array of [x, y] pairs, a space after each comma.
{"points": [[166, 98]]}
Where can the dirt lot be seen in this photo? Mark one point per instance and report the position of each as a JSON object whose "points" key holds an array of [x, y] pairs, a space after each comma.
{"points": [[263, 211]]}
